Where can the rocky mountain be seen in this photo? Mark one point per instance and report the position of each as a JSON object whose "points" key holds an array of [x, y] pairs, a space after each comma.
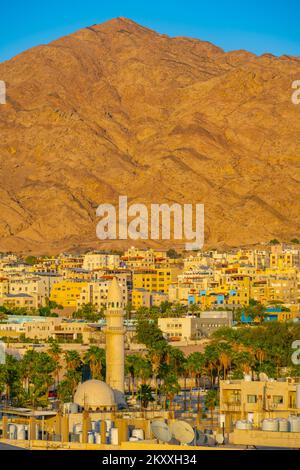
{"points": [[118, 109]]}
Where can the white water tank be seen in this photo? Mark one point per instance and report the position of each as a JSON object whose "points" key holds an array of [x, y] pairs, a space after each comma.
{"points": [[243, 424], [270, 425], [91, 437], [21, 435], [109, 424], [139, 433], [114, 436], [294, 423], [222, 418], [283, 425], [298, 396], [70, 408], [77, 428], [12, 431]]}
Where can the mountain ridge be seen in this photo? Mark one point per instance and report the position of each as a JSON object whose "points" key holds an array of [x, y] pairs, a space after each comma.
{"points": [[117, 108]]}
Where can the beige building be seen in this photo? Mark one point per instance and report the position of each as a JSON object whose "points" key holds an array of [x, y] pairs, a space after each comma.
{"points": [[96, 292], [20, 301], [193, 328], [92, 261], [57, 328], [40, 285], [257, 400]]}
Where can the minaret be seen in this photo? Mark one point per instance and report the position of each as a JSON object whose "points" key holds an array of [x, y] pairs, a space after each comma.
{"points": [[114, 334]]}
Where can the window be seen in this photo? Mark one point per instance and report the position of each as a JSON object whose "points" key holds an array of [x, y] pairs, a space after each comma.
{"points": [[251, 398], [278, 399]]}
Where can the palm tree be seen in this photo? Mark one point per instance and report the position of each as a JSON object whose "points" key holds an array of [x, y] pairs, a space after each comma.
{"points": [[143, 369], [130, 361], [195, 309], [211, 401], [170, 388], [157, 356], [225, 361], [195, 366], [72, 360], [55, 351], [95, 357], [144, 394], [260, 355]]}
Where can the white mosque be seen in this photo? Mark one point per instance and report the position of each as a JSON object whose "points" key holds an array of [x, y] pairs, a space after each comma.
{"points": [[95, 395]]}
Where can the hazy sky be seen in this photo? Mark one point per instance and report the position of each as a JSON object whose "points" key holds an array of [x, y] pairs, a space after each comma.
{"points": [[258, 26]]}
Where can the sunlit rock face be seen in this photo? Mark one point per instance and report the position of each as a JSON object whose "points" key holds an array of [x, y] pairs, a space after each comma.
{"points": [[117, 109]]}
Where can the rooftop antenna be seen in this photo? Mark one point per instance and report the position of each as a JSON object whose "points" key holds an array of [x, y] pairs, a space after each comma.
{"points": [[161, 431]]}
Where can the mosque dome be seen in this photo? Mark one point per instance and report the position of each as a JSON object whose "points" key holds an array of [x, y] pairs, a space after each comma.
{"points": [[94, 395], [114, 294]]}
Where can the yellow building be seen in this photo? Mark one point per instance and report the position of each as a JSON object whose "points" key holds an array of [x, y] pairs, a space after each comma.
{"points": [[144, 298], [157, 280], [67, 292]]}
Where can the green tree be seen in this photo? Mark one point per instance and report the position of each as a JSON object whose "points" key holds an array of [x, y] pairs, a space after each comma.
{"points": [[88, 312], [95, 358], [144, 395], [31, 260], [55, 351], [211, 401], [171, 253]]}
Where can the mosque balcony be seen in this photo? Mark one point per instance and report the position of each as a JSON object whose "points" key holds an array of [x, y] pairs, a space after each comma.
{"points": [[114, 329]]}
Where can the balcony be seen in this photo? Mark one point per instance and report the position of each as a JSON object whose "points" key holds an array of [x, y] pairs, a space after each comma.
{"points": [[231, 406]]}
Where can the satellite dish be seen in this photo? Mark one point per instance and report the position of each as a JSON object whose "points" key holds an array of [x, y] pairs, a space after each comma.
{"points": [[161, 431], [263, 377], [183, 432]]}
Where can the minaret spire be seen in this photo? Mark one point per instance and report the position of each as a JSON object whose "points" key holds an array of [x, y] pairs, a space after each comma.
{"points": [[114, 334]]}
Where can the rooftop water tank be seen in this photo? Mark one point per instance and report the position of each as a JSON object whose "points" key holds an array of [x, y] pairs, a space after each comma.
{"points": [[294, 423], [70, 408], [109, 424], [270, 425], [21, 434], [12, 431], [77, 428], [283, 425], [243, 424], [114, 436]]}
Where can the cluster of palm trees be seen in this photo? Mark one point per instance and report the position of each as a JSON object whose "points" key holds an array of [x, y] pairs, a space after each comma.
{"points": [[27, 381], [160, 371]]}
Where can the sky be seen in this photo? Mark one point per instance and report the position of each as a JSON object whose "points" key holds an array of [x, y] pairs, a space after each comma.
{"points": [[257, 26]]}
